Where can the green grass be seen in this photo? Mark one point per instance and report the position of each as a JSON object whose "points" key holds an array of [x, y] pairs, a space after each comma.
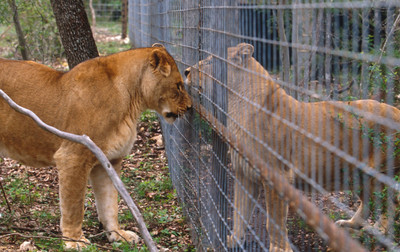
{"points": [[111, 27], [8, 41], [154, 187], [111, 47], [149, 116], [45, 244], [106, 48]]}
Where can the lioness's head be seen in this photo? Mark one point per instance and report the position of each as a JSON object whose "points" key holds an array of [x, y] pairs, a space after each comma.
{"points": [[200, 73], [239, 57], [167, 96]]}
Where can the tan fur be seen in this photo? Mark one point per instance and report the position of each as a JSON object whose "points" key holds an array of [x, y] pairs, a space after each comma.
{"points": [[327, 120], [102, 98]]}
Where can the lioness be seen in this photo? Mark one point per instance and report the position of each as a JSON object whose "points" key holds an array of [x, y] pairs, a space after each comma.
{"points": [[101, 98], [259, 108]]}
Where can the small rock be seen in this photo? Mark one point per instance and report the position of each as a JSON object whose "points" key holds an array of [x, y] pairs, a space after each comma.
{"points": [[27, 246], [159, 140]]}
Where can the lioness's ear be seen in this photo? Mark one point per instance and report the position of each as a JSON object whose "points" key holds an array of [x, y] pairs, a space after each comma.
{"points": [[158, 45], [159, 62]]}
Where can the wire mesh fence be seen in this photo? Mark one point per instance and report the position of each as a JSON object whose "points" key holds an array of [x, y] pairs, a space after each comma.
{"points": [[295, 125], [105, 11]]}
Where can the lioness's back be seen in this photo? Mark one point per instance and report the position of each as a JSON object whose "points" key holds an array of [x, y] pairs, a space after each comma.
{"points": [[32, 86], [28, 70]]}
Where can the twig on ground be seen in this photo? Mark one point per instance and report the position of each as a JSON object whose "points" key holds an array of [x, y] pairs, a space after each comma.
{"points": [[32, 229], [5, 196]]}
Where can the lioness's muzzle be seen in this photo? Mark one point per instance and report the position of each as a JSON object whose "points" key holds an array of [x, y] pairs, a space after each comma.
{"points": [[171, 115]]}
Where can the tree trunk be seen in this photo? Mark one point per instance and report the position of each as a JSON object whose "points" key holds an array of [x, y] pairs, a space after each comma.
{"points": [[124, 18], [75, 32], [18, 30], [284, 48]]}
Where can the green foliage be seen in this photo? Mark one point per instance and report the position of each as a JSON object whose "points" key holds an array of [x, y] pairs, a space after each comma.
{"points": [[45, 216], [163, 216], [41, 31], [112, 47], [126, 216], [379, 205], [335, 215], [54, 243], [90, 248], [149, 116], [4, 12], [154, 187], [204, 127], [126, 247], [350, 98], [382, 140], [380, 76], [384, 79], [23, 194], [39, 27]]}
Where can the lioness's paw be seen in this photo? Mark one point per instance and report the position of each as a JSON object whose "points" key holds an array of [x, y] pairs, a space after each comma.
{"points": [[348, 223], [82, 243], [342, 223], [122, 235]]}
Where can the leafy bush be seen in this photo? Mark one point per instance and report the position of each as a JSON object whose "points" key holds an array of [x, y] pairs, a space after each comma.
{"points": [[39, 28]]}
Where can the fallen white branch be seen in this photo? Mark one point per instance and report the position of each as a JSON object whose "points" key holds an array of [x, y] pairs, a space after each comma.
{"points": [[86, 141]]}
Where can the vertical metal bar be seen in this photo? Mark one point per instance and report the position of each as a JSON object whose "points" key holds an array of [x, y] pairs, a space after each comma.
{"points": [[328, 46], [295, 40], [219, 97], [393, 20]]}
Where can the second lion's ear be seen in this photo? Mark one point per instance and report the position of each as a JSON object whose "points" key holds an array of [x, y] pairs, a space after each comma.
{"points": [[158, 45], [159, 62]]}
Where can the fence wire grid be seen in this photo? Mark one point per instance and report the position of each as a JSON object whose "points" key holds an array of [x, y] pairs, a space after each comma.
{"points": [[295, 123]]}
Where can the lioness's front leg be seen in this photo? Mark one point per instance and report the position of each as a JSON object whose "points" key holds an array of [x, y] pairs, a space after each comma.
{"points": [[107, 204], [73, 172], [277, 211], [246, 192]]}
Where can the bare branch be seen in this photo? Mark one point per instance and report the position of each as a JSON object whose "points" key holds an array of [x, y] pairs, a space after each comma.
{"points": [[86, 141], [5, 196]]}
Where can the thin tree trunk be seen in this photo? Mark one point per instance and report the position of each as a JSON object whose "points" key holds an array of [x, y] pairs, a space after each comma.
{"points": [[93, 13], [124, 18], [75, 32], [284, 48], [21, 38]]}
